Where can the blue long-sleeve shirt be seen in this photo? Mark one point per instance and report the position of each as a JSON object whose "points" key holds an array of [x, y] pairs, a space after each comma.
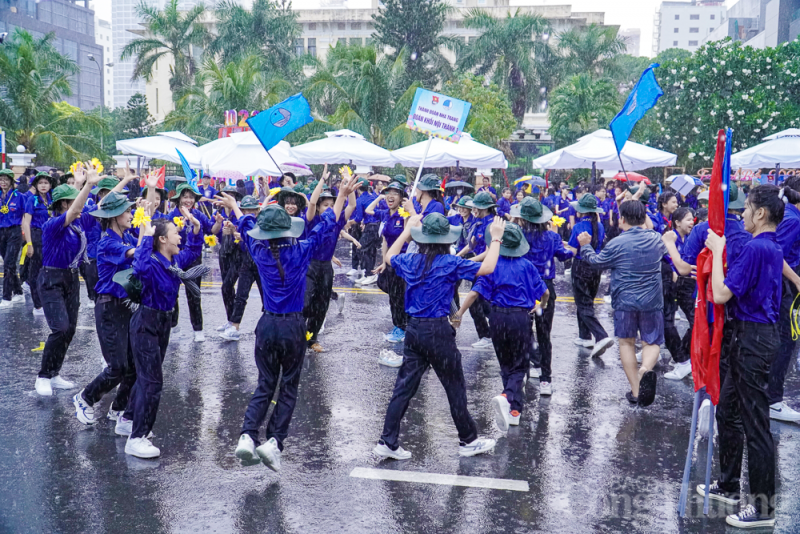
{"points": [[585, 225], [737, 237], [788, 235], [503, 206], [362, 202], [159, 285], [112, 257], [515, 283], [37, 209], [545, 246], [205, 224], [12, 207]]}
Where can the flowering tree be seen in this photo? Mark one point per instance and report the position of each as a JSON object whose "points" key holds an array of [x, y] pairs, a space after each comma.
{"points": [[723, 84]]}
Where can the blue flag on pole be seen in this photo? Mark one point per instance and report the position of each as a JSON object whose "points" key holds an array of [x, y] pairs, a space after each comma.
{"points": [[188, 173], [275, 123], [643, 97]]}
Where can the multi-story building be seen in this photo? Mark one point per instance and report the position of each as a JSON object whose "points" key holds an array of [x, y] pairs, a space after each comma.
{"points": [[633, 41], [686, 24], [124, 19], [103, 36], [760, 23], [74, 29]]}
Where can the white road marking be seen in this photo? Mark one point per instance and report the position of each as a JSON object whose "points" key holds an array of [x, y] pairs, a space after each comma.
{"points": [[91, 328], [437, 478]]}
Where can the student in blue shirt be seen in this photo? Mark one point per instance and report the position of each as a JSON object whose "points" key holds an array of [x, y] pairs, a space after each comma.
{"points": [[487, 188], [159, 264], [113, 312], [229, 256], [504, 203], [12, 207], [428, 197], [754, 278], [586, 279], [283, 263], [544, 247], [431, 277], [63, 249], [36, 214], [513, 289], [370, 239]]}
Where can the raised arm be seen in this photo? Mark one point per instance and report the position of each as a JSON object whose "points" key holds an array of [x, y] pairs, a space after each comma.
{"points": [[716, 245], [92, 179], [370, 210]]}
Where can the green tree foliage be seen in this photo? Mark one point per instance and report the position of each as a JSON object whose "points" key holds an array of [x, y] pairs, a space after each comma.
{"points": [[490, 119], [580, 106], [172, 35], [135, 120], [593, 50], [34, 78]]}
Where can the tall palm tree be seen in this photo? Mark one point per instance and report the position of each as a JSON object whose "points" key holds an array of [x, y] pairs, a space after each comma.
{"points": [[34, 79], [592, 49], [171, 35], [580, 106], [509, 50]]}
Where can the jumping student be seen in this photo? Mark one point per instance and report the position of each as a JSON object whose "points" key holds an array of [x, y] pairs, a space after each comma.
{"points": [[754, 278], [281, 332], [513, 289], [37, 212], [431, 277]]}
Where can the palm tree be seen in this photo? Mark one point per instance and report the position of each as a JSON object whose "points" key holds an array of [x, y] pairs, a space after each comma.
{"points": [[170, 34], [580, 106], [592, 49], [510, 50], [34, 79]]}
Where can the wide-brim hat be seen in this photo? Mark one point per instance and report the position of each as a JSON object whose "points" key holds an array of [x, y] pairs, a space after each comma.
{"points": [[43, 175], [325, 193], [105, 183], [287, 192], [129, 282], [464, 202], [232, 191], [184, 187], [736, 197], [274, 223], [113, 204], [430, 182], [400, 178], [397, 186], [587, 204], [436, 229], [531, 210], [159, 190], [64, 192], [457, 183], [513, 244], [703, 196], [7, 172], [249, 202], [483, 201]]}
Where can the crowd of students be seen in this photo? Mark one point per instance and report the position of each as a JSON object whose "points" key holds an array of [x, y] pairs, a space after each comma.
{"points": [[134, 251]]}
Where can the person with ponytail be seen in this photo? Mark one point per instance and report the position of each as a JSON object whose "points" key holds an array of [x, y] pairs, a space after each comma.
{"points": [[158, 263], [280, 347], [63, 250], [586, 279], [431, 277], [12, 208], [427, 198], [37, 213]]}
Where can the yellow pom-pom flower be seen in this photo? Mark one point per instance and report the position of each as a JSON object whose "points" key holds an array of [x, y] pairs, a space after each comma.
{"points": [[308, 335], [179, 222], [345, 171], [140, 217], [97, 164], [274, 191], [558, 221], [211, 240], [403, 213]]}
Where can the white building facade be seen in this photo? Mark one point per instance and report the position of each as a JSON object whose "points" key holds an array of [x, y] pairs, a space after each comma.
{"points": [[103, 36], [686, 25]]}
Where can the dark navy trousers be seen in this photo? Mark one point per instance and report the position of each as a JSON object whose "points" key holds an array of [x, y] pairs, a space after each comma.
{"points": [[512, 337], [61, 300], [780, 365]]}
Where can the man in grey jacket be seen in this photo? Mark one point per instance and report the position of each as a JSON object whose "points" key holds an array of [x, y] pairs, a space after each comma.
{"points": [[634, 258]]}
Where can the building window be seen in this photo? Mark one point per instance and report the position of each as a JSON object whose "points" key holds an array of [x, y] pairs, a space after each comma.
{"points": [[312, 26], [694, 17], [299, 47], [713, 17], [312, 46], [694, 30], [675, 30], [357, 41], [677, 17], [481, 2], [340, 25], [674, 43], [369, 41], [341, 41], [711, 30], [355, 25], [692, 43], [459, 24]]}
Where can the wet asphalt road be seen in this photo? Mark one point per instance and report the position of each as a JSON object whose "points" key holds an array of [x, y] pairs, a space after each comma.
{"points": [[593, 463]]}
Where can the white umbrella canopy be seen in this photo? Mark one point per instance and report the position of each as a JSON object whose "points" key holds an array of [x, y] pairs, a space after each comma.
{"points": [[598, 147], [466, 153], [343, 146], [781, 148], [242, 152], [163, 146]]}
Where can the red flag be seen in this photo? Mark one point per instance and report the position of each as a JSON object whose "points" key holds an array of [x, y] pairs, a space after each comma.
{"points": [[161, 178], [707, 342]]}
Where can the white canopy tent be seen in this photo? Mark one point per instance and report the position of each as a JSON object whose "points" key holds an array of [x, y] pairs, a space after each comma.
{"points": [[598, 148], [343, 146], [242, 152], [782, 148], [163, 146], [466, 153]]}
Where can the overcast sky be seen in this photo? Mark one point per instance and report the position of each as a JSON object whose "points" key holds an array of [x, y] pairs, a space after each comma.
{"points": [[626, 13]]}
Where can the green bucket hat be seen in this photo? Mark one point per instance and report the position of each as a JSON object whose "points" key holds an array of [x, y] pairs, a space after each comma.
{"points": [[113, 204], [436, 229], [232, 191], [274, 222], [162, 192], [326, 193], [430, 182], [299, 187], [704, 196], [286, 192], [105, 183], [64, 192], [532, 211], [735, 198], [397, 186], [43, 175], [513, 244], [249, 203], [7, 172], [400, 178], [181, 188], [457, 183], [483, 201], [464, 202], [587, 204], [131, 284]]}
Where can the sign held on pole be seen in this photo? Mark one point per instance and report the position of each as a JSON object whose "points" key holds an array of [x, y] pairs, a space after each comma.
{"points": [[438, 115]]}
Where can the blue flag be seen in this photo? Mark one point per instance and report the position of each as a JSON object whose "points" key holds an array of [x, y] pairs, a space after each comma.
{"points": [[643, 97], [188, 173], [275, 123]]}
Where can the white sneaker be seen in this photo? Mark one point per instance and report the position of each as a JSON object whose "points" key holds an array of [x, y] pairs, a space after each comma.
{"points": [[59, 383], [602, 346], [385, 452], [43, 387], [545, 389], [5, 304], [780, 411], [390, 359], [680, 371], [483, 344], [124, 427], [352, 272], [18, 299], [513, 420], [38, 312], [199, 336], [231, 334], [536, 372], [141, 448], [322, 328], [26, 288], [246, 451], [340, 302], [607, 299], [501, 409], [639, 356], [83, 411], [567, 272], [223, 327], [479, 446], [588, 343], [369, 280], [91, 305], [702, 419], [270, 454], [114, 415]]}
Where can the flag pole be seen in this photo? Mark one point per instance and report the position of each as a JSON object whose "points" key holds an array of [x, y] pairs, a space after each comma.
{"points": [[421, 164], [687, 469], [709, 458]]}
